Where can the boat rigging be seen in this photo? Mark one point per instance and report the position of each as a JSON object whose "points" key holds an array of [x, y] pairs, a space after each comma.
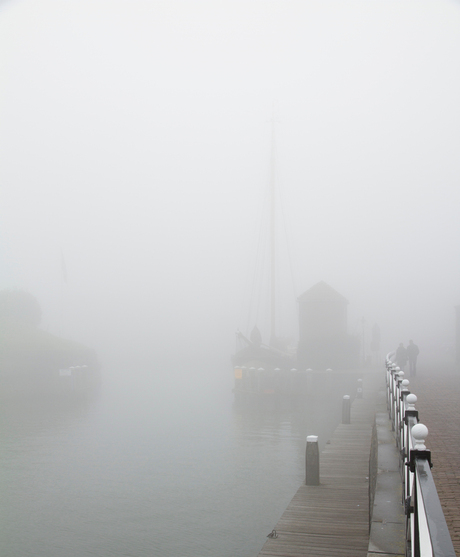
{"points": [[253, 352]]}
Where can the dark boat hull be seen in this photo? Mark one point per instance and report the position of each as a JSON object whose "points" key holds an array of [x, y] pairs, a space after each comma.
{"points": [[263, 371]]}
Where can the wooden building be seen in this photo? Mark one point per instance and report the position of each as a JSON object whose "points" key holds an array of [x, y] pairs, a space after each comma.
{"points": [[323, 338]]}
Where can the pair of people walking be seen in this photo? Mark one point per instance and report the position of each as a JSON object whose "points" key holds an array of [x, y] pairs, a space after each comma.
{"points": [[407, 354]]}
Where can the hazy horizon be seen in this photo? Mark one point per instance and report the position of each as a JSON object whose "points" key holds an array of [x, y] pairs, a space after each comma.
{"points": [[135, 142]]}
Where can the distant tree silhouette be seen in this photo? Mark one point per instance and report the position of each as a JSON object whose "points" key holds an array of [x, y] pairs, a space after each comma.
{"points": [[18, 307]]}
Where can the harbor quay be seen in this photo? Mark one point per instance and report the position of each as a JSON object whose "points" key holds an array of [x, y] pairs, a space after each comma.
{"points": [[438, 402], [362, 502]]}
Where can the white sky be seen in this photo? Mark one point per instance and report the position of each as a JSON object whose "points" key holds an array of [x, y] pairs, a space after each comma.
{"points": [[135, 135]]}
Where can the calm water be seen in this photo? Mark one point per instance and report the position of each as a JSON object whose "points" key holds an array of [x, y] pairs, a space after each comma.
{"points": [[154, 468]]}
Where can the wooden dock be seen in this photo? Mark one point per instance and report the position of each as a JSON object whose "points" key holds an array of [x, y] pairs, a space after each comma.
{"points": [[332, 519]]}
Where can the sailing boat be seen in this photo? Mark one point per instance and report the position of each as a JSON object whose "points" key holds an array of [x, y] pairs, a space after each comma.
{"points": [[259, 367]]}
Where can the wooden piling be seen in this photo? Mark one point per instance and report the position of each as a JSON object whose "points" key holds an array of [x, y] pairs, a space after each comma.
{"points": [[346, 409], [312, 461]]}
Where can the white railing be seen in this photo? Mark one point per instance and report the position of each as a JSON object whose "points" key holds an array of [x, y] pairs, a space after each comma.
{"points": [[427, 534]]}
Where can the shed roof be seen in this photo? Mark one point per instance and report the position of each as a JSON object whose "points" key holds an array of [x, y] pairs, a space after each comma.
{"points": [[322, 292]]}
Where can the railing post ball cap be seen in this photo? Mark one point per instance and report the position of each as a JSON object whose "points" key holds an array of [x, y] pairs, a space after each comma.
{"points": [[397, 369], [411, 400], [277, 369], [401, 375], [419, 434], [309, 369], [312, 439], [293, 370]]}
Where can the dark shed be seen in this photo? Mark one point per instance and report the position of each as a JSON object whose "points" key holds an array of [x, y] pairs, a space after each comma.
{"points": [[323, 338], [322, 312]]}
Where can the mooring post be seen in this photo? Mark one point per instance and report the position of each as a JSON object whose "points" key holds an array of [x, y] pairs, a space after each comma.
{"points": [[312, 461], [346, 406]]}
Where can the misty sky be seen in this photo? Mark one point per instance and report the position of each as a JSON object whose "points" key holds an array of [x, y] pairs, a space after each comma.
{"points": [[135, 140]]}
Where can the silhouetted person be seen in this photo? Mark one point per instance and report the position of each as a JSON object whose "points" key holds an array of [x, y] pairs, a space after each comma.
{"points": [[256, 337], [401, 356], [412, 353]]}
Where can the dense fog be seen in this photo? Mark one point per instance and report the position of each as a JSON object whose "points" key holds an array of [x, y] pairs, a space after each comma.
{"points": [[138, 143], [135, 161]]}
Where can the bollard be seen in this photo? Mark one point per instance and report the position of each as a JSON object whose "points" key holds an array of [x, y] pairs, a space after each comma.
{"points": [[359, 393], [346, 407], [312, 461]]}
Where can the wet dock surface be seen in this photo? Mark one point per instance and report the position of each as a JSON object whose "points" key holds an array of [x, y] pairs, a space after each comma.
{"points": [[333, 518]]}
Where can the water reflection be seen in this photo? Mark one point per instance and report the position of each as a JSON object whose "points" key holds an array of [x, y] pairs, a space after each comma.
{"points": [[142, 471]]}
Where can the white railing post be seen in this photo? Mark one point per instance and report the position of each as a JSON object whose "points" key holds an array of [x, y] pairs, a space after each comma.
{"points": [[402, 412], [427, 534], [398, 414], [395, 376], [410, 419], [420, 535]]}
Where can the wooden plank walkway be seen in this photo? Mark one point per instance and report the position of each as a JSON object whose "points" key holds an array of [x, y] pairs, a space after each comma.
{"points": [[332, 518]]}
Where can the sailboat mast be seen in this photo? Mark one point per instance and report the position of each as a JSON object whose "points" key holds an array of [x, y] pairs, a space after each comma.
{"points": [[272, 237]]}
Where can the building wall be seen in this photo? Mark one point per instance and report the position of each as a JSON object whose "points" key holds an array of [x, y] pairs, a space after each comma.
{"points": [[323, 338], [320, 319]]}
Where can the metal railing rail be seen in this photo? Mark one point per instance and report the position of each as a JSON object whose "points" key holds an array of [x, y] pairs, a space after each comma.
{"points": [[427, 534]]}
